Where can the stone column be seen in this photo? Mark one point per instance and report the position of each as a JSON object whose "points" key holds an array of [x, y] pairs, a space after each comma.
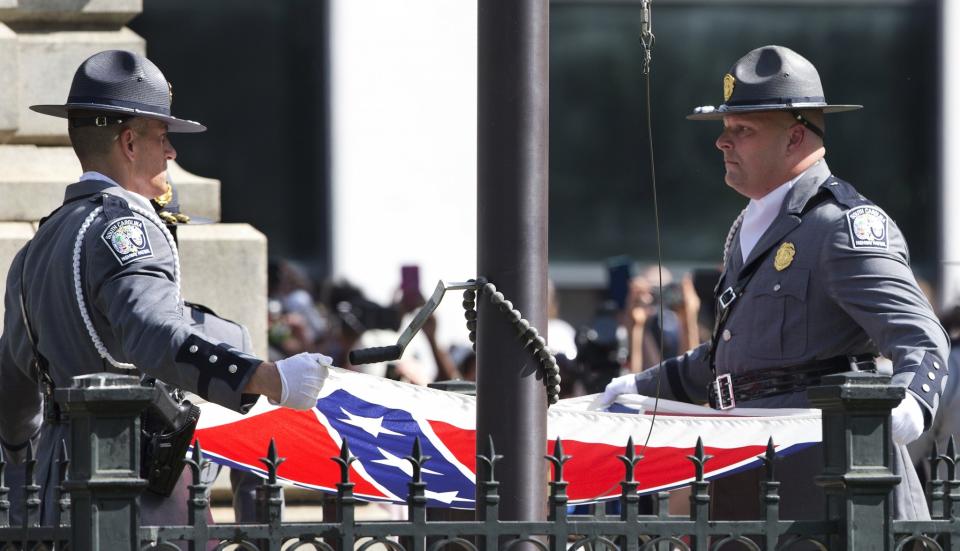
{"points": [[42, 43]]}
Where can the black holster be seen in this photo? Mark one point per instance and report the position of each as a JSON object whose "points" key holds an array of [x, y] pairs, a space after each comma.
{"points": [[166, 431]]}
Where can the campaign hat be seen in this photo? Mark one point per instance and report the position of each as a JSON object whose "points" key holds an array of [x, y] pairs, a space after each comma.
{"points": [[770, 78], [113, 86]]}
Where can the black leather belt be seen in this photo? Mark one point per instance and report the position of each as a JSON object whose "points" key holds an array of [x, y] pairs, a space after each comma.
{"points": [[726, 390]]}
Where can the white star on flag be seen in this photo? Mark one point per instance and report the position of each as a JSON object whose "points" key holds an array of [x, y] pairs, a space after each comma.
{"points": [[391, 460], [444, 497], [371, 425]]}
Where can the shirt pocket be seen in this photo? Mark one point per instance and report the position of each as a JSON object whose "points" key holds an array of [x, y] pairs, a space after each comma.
{"points": [[779, 316]]}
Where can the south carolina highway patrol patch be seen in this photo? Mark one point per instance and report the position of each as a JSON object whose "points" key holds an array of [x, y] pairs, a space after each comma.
{"points": [[127, 240], [868, 228]]}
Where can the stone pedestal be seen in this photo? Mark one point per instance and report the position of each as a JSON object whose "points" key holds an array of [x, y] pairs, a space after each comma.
{"points": [[75, 12], [13, 236], [9, 83], [224, 267]]}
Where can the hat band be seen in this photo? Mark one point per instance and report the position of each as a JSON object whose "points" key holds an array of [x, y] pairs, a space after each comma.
{"points": [[94, 101], [98, 121], [777, 101]]}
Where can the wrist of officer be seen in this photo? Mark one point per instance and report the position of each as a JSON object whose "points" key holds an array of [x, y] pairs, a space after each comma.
{"points": [[266, 381]]}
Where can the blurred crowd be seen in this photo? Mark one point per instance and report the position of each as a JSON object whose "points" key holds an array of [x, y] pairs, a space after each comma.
{"points": [[644, 315], [336, 317]]}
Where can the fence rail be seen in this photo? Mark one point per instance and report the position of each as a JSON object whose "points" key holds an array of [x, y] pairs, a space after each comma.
{"points": [[97, 502]]}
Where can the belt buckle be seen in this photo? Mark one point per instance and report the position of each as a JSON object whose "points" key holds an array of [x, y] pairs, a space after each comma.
{"points": [[724, 388], [727, 297]]}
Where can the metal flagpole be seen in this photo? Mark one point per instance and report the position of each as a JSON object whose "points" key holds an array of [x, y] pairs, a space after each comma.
{"points": [[512, 136]]}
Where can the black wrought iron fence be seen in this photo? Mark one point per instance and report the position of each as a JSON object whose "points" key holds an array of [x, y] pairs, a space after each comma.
{"points": [[97, 503]]}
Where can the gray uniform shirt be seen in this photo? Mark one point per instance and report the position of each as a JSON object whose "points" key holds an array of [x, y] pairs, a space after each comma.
{"points": [[847, 289], [128, 281]]}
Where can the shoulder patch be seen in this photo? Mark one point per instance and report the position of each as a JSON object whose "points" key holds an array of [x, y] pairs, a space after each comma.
{"points": [[127, 239], [868, 228]]}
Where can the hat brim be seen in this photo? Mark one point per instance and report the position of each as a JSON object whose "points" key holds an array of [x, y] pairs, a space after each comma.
{"points": [[725, 110], [174, 125]]}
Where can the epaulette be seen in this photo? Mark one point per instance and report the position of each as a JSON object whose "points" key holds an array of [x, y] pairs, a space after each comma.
{"points": [[114, 206], [844, 193]]}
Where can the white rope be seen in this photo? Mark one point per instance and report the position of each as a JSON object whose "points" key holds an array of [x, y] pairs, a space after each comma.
{"points": [[78, 288], [733, 231]]}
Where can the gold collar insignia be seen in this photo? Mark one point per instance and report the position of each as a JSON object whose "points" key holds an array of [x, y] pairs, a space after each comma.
{"points": [[165, 198]]}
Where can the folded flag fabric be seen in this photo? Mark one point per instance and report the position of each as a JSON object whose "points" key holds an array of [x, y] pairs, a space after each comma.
{"points": [[381, 418]]}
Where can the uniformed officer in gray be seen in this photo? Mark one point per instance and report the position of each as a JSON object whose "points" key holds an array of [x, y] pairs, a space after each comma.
{"points": [[814, 276], [100, 281]]}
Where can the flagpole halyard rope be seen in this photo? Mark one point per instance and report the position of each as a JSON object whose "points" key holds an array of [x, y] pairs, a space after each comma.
{"points": [[646, 39]]}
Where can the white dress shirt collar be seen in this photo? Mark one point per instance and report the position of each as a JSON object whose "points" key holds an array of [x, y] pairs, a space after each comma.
{"points": [[760, 214]]}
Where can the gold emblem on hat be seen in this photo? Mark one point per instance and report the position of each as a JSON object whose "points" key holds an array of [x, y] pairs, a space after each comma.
{"points": [[784, 257], [170, 90], [728, 82]]}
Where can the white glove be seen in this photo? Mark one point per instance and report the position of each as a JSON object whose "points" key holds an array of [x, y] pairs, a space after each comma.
{"points": [[301, 378], [624, 384], [906, 421]]}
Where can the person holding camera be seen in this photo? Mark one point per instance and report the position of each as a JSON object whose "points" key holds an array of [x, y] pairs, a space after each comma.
{"points": [[648, 335], [98, 290], [816, 280]]}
